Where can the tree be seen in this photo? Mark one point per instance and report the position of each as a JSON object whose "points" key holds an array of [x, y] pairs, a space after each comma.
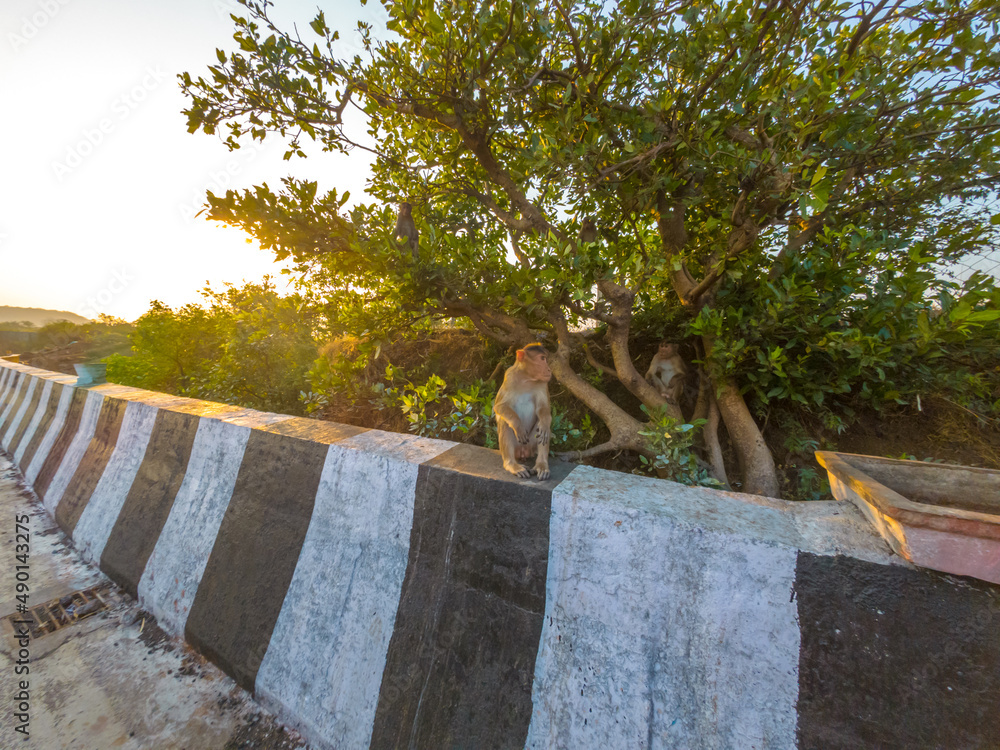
{"points": [[751, 159], [247, 346], [268, 349], [172, 351]]}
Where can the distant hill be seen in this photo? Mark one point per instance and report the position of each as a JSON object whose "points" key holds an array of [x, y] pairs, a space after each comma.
{"points": [[37, 315]]}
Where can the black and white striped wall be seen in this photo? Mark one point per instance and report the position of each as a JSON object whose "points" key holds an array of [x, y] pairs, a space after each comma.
{"points": [[385, 590]]}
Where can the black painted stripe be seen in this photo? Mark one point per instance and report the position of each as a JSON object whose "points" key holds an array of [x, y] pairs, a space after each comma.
{"points": [[150, 498], [29, 414], [255, 553], [313, 429], [22, 388], [892, 657], [43, 425], [462, 655], [9, 375], [92, 465], [66, 434]]}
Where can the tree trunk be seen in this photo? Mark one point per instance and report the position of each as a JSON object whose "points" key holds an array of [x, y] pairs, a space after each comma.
{"points": [[760, 477], [756, 463], [707, 408]]}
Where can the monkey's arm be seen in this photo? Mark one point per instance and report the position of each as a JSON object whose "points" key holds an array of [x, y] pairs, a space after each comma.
{"points": [[507, 414], [543, 414], [652, 375], [651, 372]]}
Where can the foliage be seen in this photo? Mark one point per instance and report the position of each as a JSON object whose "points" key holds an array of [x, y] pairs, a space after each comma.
{"points": [[100, 338], [268, 349], [247, 346], [567, 437], [798, 183], [811, 484], [464, 412], [670, 442], [172, 351], [462, 415], [820, 347]]}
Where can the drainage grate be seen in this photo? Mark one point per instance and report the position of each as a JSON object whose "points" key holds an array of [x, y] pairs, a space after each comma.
{"points": [[59, 613]]}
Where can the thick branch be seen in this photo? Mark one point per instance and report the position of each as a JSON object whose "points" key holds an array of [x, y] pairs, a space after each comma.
{"points": [[813, 226], [578, 309], [863, 28], [645, 156], [621, 300], [741, 238], [513, 223], [613, 416], [673, 237], [491, 323], [601, 369]]}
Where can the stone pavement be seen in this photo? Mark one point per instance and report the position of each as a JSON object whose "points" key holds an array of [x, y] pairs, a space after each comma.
{"points": [[110, 680]]}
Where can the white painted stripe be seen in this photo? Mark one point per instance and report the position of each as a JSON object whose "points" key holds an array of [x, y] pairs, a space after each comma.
{"points": [[99, 517], [12, 397], [21, 411], [175, 567], [55, 427], [323, 667], [659, 634], [10, 387], [75, 452], [8, 375], [43, 404]]}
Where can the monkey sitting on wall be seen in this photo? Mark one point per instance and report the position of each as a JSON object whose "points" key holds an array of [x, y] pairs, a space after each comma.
{"points": [[523, 414], [667, 372]]}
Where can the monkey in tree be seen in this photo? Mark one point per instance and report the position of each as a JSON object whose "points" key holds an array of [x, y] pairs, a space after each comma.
{"points": [[667, 372], [588, 230], [406, 228], [523, 414]]}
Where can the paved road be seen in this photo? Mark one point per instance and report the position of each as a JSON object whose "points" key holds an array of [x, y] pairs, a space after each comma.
{"points": [[114, 679]]}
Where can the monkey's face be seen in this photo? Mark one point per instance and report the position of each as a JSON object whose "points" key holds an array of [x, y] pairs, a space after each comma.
{"points": [[668, 350], [535, 364], [540, 367]]}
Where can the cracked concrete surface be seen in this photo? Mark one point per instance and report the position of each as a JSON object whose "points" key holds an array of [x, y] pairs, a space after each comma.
{"points": [[113, 680]]}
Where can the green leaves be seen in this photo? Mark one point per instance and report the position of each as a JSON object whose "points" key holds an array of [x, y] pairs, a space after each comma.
{"points": [[318, 25], [505, 124], [670, 444]]}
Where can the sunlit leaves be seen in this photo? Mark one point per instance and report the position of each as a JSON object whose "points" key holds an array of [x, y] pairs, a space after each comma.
{"points": [[884, 137]]}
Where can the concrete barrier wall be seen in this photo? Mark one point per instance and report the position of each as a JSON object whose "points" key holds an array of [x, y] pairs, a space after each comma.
{"points": [[386, 590]]}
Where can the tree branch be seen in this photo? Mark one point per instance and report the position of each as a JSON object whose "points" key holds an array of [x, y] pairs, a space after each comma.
{"points": [[601, 369]]}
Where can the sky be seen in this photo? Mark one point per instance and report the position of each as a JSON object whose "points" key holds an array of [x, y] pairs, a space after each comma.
{"points": [[100, 180]]}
